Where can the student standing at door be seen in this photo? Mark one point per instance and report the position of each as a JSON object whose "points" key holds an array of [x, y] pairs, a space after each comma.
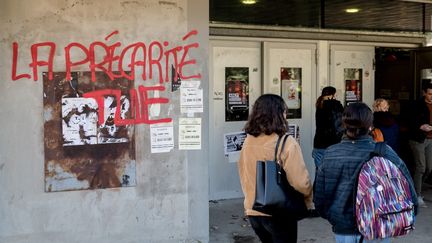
{"points": [[386, 123], [266, 124], [421, 139], [328, 123]]}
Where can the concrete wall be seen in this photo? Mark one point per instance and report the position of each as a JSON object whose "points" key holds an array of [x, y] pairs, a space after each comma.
{"points": [[170, 201]]}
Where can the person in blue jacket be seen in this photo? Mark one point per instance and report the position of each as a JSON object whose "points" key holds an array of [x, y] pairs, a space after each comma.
{"points": [[336, 176], [386, 122]]}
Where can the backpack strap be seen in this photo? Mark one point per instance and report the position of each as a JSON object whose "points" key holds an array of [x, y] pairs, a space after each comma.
{"points": [[380, 149]]}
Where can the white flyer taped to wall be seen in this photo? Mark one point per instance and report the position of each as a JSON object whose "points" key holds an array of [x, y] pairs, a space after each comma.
{"points": [[191, 97], [161, 137], [233, 142], [189, 133]]}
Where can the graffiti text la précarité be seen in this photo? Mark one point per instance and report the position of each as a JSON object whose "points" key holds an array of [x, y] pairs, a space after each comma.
{"points": [[154, 56]]}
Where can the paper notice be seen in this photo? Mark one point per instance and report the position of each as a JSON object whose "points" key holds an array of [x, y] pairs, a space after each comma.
{"points": [[162, 137], [189, 133], [191, 97]]}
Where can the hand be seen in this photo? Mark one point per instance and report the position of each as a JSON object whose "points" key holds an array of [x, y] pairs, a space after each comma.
{"points": [[426, 127]]}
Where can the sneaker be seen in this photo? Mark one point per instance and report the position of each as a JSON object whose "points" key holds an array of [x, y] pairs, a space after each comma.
{"points": [[421, 202]]}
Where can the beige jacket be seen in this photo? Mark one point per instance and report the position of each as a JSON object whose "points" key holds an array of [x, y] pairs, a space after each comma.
{"points": [[262, 148]]}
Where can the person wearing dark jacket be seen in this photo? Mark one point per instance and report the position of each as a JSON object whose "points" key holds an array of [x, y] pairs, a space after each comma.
{"points": [[327, 122], [421, 139], [386, 122], [336, 176]]}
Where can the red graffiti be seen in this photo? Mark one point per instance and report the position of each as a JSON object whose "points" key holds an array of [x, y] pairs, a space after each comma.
{"points": [[72, 64], [154, 60], [35, 61], [14, 64], [139, 105], [115, 32]]}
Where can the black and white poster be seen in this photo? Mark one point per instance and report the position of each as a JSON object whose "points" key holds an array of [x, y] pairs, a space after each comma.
{"points": [[233, 142]]}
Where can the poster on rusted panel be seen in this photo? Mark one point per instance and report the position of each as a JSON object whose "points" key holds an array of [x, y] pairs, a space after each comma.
{"points": [[84, 148]]}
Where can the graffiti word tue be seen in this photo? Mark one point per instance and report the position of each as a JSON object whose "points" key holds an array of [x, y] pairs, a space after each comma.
{"points": [[139, 105], [112, 58]]}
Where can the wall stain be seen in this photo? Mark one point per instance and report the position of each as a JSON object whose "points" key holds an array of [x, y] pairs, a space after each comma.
{"points": [[124, 3], [167, 3], [102, 165]]}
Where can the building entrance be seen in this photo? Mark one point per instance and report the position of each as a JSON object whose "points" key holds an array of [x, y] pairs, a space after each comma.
{"points": [[241, 69]]}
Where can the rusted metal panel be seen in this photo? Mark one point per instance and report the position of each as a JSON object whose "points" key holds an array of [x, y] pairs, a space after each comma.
{"points": [[81, 151]]}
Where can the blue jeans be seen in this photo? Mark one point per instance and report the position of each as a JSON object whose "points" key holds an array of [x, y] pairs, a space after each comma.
{"points": [[317, 155], [356, 239]]}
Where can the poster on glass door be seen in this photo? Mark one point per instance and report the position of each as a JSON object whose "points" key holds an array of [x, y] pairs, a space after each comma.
{"points": [[291, 90], [236, 93], [353, 85]]}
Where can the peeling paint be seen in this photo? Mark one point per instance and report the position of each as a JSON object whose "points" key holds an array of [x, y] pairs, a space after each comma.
{"points": [[123, 4], [48, 114], [61, 180]]}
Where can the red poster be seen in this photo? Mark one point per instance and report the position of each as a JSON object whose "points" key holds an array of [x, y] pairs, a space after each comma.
{"points": [[236, 93]]}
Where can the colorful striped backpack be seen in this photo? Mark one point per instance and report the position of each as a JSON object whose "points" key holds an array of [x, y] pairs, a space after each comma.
{"points": [[383, 202]]}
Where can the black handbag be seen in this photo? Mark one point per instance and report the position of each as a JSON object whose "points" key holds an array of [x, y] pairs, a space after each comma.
{"points": [[273, 194]]}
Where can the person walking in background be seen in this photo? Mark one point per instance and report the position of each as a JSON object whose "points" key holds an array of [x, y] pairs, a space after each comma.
{"points": [[386, 123], [328, 123], [336, 176], [266, 124], [421, 140]]}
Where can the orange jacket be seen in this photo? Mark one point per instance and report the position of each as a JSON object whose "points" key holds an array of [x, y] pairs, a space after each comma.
{"points": [[377, 135]]}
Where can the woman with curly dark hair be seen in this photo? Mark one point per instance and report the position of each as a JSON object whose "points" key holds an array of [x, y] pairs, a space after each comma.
{"points": [[266, 124]]}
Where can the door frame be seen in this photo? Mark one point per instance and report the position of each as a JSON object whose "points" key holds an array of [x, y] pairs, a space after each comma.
{"points": [[216, 96], [349, 46], [306, 121]]}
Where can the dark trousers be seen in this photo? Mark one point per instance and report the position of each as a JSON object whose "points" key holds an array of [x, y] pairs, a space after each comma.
{"points": [[274, 229]]}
